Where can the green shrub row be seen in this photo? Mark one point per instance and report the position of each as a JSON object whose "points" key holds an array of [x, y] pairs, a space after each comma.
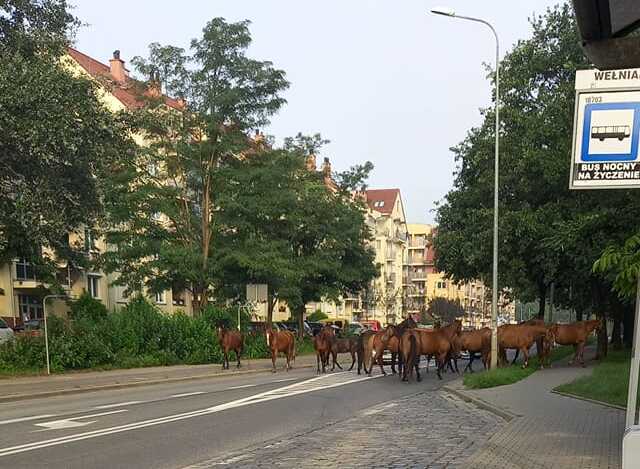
{"points": [[134, 336]]}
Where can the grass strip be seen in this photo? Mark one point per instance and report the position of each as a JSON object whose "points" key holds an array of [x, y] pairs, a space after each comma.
{"points": [[609, 381], [511, 374]]}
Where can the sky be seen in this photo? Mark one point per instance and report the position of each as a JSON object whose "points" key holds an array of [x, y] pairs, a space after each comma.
{"points": [[383, 80]]}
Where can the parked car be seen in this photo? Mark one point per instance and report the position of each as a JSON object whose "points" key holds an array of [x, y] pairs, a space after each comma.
{"points": [[315, 327], [355, 328], [29, 325], [6, 333], [372, 325]]}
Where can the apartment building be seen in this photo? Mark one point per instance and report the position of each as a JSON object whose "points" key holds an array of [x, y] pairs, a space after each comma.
{"points": [[382, 301], [21, 291]]}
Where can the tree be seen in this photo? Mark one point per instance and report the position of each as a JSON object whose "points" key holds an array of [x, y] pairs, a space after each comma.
{"points": [[164, 230], [547, 233], [445, 309], [317, 316], [58, 140], [35, 27], [281, 224]]}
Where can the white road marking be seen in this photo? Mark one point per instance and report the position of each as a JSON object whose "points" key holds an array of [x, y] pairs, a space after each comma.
{"points": [[185, 394], [71, 423], [310, 385], [243, 386], [119, 404], [26, 419]]}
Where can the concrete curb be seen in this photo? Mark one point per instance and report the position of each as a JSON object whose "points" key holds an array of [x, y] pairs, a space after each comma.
{"points": [[592, 401], [132, 384], [505, 414]]}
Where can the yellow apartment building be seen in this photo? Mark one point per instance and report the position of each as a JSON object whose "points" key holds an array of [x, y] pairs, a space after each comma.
{"points": [[21, 292]]}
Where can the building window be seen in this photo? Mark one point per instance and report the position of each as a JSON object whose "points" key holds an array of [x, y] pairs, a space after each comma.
{"points": [[93, 286], [30, 307], [24, 270], [160, 297], [378, 203], [178, 297]]}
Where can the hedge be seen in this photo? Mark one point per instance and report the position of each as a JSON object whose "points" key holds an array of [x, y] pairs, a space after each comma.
{"points": [[137, 335]]}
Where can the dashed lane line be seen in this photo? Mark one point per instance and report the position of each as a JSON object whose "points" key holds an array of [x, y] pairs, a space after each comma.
{"points": [[27, 419], [118, 404]]}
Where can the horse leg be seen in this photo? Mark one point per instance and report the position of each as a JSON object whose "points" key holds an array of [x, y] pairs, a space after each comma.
{"points": [[393, 363], [514, 358], [238, 353], [273, 360], [581, 353], [575, 355], [525, 354], [440, 365], [416, 365], [380, 364], [353, 360], [335, 360], [225, 359], [469, 367]]}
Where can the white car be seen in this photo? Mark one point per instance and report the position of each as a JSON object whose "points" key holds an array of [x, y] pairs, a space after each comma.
{"points": [[6, 333]]}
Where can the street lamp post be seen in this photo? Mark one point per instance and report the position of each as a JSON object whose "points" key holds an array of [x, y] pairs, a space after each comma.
{"points": [[46, 332], [494, 303]]}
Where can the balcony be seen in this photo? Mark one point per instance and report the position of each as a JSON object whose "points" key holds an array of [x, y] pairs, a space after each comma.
{"points": [[24, 276], [390, 278]]}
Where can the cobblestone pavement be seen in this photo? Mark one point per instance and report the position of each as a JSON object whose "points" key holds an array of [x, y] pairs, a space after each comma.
{"points": [[431, 429], [553, 431], [554, 443]]}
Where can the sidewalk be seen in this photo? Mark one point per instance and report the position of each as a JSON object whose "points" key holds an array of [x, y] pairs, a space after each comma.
{"points": [[15, 389], [549, 430]]}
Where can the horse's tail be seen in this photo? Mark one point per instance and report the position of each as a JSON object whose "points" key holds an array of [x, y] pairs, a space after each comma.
{"points": [[411, 355]]}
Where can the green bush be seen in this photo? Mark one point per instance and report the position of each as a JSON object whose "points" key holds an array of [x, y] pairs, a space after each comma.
{"points": [[317, 316], [137, 335]]}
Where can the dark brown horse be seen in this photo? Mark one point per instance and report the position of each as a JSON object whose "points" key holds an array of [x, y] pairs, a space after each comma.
{"points": [[575, 334], [346, 345], [322, 343], [283, 342], [418, 342], [230, 340]]}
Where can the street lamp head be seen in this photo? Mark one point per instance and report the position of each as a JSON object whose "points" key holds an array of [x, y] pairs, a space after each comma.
{"points": [[444, 11]]}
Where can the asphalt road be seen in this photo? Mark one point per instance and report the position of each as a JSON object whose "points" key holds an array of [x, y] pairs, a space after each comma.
{"points": [[175, 425]]}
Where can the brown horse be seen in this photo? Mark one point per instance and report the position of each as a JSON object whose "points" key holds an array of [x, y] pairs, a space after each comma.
{"points": [[230, 340], [521, 337], [370, 342], [452, 331], [363, 350], [283, 342], [346, 345], [322, 343], [417, 342], [575, 334], [384, 340], [543, 348], [478, 341]]}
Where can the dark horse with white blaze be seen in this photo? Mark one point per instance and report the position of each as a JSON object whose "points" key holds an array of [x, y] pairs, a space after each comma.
{"points": [[230, 340]]}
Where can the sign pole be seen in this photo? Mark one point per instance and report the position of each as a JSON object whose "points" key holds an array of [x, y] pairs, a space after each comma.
{"points": [[632, 396]]}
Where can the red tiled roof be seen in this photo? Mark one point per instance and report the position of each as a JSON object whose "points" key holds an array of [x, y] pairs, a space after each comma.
{"points": [[126, 93], [382, 200]]}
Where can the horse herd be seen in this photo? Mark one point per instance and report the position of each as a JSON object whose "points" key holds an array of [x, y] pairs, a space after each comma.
{"points": [[407, 343]]}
